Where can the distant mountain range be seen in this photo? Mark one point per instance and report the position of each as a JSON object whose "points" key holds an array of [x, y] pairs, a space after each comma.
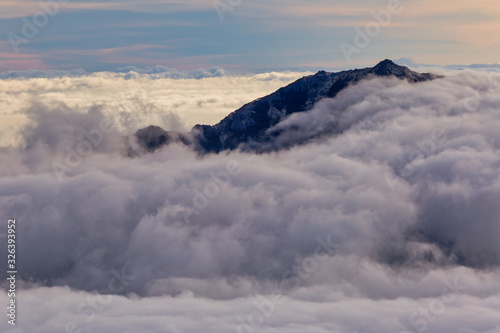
{"points": [[251, 122]]}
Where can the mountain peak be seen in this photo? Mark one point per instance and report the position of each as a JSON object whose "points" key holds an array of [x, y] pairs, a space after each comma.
{"points": [[386, 63], [251, 121], [388, 67]]}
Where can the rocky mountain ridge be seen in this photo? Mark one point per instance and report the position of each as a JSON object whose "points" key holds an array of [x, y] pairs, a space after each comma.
{"points": [[251, 121]]}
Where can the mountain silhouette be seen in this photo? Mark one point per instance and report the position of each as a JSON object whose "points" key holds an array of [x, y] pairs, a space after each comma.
{"points": [[250, 122]]}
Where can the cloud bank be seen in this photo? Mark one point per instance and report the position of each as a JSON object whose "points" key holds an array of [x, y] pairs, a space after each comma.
{"points": [[383, 218], [136, 98]]}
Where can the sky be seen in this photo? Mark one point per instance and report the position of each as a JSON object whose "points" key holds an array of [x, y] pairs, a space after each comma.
{"points": [[243, 35]]}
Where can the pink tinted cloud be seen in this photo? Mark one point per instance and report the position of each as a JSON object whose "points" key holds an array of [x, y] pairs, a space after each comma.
{"points": [[22, 8], [12, 61], [143, 55]]}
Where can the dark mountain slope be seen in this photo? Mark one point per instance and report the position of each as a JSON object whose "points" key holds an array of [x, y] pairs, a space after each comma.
{"points": [[250, 121]]}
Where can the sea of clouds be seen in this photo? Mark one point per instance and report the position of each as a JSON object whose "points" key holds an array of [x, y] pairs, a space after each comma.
{"points": [[134, 98], [376, 211]]}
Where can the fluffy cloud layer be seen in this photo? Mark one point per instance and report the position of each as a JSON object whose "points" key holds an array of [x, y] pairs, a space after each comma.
{"points": [[137, 98], [386, 220], [410, 305]]}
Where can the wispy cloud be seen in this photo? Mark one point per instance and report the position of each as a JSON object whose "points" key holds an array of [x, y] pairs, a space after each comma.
{"points": [[256, 32]]}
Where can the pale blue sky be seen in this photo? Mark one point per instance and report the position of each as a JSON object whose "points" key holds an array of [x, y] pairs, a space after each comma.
{"points": [[255, 35]]}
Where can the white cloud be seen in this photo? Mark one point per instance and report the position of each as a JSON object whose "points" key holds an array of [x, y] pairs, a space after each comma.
{"points": [[137, 99], [405, 191], [320, 308]]}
